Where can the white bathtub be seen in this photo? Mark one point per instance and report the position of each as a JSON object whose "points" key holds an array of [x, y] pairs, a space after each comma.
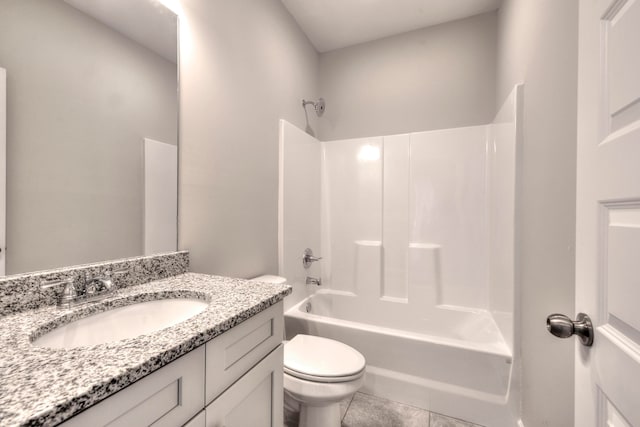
{"points": [[449, 361]]}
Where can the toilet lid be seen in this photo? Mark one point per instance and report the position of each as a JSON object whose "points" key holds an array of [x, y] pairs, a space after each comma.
{"points": [[321, 357]]}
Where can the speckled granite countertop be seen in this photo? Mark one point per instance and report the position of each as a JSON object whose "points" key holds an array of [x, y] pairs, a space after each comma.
{"points": [[42, 386]]}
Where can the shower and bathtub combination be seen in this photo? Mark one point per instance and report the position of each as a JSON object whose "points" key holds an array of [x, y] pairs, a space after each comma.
{"points": [[417, 235]]}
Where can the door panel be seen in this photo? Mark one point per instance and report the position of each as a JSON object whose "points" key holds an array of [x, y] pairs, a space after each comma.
{"points": [[616, 370], [620, 36]]}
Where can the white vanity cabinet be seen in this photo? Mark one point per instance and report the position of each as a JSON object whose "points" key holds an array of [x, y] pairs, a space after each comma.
{"points": [[233, 380]]}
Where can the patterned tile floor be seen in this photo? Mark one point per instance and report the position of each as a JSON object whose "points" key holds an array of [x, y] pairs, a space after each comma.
{"points": [[365, 410]]}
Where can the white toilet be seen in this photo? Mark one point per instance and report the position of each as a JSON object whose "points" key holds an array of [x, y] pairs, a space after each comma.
{"points": [[318, 374]]}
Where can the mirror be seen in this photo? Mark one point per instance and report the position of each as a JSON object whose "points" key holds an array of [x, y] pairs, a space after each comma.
{"points": [[92, 124]]}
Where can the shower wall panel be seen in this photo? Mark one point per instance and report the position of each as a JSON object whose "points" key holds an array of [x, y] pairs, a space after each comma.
{"points": [[447, 207], [395, 221], [299, 207], [502, 161], [353, 184], [405, 217]]}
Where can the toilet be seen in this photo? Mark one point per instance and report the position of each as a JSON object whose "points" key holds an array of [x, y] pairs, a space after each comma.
{"points": [[318, 374]]}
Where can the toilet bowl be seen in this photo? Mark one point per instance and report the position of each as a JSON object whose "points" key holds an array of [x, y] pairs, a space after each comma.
{"points": [[318, 374]]}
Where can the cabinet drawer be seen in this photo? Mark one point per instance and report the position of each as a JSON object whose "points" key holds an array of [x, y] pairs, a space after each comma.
{"points": [[237, 350], [167, 397], [254, 400]]}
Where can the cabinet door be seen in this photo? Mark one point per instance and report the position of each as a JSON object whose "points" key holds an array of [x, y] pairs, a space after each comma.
{"points": [[234, 352], [168, 397], [254, 400]]}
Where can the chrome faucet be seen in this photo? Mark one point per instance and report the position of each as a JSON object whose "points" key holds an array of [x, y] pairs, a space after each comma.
{"points": [[313, 281], [94, 288]]}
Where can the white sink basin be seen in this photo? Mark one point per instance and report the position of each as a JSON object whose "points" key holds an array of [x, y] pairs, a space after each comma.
{"points": [[123, 322]]}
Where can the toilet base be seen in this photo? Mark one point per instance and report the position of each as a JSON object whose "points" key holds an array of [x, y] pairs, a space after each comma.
{"points": [[320, 416], [318, 403]]}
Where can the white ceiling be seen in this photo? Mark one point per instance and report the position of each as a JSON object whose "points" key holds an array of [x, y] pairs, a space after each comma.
{"points": [[332, 24], [147, 22]]}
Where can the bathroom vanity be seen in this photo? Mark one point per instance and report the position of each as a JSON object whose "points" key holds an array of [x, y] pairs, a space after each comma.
{"points": [[233, 380], [222, 366]]}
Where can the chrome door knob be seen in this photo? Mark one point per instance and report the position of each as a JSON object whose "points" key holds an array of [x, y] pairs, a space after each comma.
{"points": [[563, 327]]}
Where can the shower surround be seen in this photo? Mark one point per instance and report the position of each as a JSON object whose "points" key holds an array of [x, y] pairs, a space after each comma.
{"points": [[417, 234]]}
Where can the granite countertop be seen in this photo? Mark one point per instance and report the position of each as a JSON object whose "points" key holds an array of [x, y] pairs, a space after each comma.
{"points": [[43, 386]]}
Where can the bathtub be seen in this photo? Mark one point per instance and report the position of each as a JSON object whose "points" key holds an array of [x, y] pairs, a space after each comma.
{"points": [[446, 360]]}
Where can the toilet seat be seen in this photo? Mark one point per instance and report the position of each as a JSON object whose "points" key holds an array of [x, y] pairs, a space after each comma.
{"points": [[318, 379], [322, 360]]}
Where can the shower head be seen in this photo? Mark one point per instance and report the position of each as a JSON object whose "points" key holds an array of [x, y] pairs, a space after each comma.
{"points": [[317, 105]]}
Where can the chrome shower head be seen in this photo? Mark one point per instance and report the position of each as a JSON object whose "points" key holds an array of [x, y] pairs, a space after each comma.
{"points": [[318, 105]]}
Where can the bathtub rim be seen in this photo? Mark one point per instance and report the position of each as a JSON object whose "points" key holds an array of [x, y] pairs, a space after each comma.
{"points": [[495, 349]]}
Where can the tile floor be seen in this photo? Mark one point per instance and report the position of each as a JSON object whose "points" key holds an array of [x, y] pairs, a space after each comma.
{"points": [[365, 410]]}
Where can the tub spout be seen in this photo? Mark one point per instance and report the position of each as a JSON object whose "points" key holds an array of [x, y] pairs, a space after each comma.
{"points": [[313, 281]]}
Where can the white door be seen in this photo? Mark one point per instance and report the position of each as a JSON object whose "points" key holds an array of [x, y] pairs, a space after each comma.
{"points": [[607, 383]]}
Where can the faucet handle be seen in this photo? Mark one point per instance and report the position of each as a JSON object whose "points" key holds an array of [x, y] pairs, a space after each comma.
{"points": [[119, 271], [69, 292], [52, 283], [69, 295], [308, 258]]}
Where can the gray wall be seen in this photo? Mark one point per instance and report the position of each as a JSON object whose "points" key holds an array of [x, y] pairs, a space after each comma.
{"points": [[433, 78], [538, 45], [81, 98], [244, 65]]}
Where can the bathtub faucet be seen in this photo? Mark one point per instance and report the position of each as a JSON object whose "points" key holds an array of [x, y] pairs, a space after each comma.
{"points": [[313, 281], [308, 258]]}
